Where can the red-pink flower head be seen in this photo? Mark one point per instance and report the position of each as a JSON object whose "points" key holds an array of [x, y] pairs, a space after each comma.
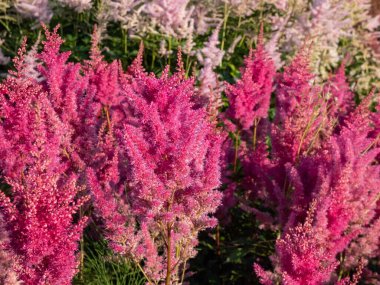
{"points": [[341, 99], [293, 85], [250, 97]]}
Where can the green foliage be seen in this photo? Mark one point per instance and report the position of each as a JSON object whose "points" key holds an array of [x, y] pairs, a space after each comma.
{"points": [[226, 255], [101, 268]]}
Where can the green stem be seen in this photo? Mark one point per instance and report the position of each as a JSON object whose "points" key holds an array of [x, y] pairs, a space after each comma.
{"points": [[169, 49], [81, 250], [236, 150], [225, 19], [254, 138]]}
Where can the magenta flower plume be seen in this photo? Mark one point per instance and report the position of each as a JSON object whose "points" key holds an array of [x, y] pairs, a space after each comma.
{"points": [[250, 97], [341, 99], [303, 257], [293, 85], [38, 214], [301, 113], [62, 80]]}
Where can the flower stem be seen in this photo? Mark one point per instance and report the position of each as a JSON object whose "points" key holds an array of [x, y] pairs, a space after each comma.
{"points": [[169, 255]]}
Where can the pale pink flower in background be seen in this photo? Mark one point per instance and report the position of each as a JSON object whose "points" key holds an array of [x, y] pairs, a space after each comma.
{"points": [[279, 25], [172, 17], [78, 5], [242, 7], [31, 62], [3, 59], [280, 4], [36, 9], [210, 56], [325, 23], [163, 51], [205, 16], [127, 12]]}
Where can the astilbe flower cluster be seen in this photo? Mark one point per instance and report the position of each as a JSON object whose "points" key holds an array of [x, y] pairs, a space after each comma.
{"points": [[39, 207], [173, 17], [326, 22], [89, 99], [250, 97], [320, 175], [302, 256], [341, 100], [247, 7], [149, 155], [172, 152]]}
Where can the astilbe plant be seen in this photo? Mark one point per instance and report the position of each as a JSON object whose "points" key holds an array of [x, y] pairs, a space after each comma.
{"points": [[296, 130], [247, 118], [154, 208], [40, 205], [320, 175], [345, 193]]}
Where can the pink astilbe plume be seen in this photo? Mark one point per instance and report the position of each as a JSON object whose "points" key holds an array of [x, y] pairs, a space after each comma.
{"points": [[84, 96], [298, 130], [172, 151], [89, 98], [303, 257], [301, 114], [62, 80], [346, 202], [250, 97], [341, 99], [38, 212], [293, 84]]}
